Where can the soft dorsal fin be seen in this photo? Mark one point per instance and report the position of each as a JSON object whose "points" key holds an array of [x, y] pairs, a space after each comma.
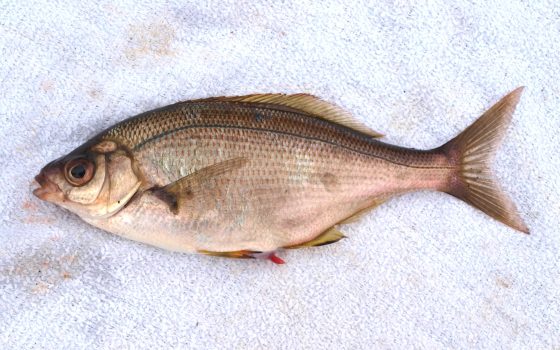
{"points": [[330, 236], [305, 103]]}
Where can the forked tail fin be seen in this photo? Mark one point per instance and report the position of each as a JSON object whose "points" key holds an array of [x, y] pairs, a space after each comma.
{"points": [[473, 151]]}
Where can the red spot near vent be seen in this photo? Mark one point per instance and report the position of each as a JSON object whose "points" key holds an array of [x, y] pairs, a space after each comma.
{"points": [[275, 259]]}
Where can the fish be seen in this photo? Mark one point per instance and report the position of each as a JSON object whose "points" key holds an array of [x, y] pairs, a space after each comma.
{"points": [[249, 176]]}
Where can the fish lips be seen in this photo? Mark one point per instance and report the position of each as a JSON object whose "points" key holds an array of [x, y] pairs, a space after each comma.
{"points": [[48, 190]]}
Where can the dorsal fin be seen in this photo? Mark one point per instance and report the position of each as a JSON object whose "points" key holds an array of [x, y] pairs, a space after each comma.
{"points": [[305, 103]]}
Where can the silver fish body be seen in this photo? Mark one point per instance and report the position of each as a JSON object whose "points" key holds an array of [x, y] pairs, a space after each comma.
{"points": [[238, 176]]}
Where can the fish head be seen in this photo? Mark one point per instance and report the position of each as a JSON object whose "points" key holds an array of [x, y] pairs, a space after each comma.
{"points": [[94, 181]]}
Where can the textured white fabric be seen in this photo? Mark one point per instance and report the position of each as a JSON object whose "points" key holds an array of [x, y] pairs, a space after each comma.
{"points": [[423, 270]]}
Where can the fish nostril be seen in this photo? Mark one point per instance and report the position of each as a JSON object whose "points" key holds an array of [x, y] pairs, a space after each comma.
{"points": [[42, 179], [39, 178]]}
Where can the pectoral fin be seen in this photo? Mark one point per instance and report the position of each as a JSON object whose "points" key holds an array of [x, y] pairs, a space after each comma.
{"points": [[176, 193], [332, 235]]}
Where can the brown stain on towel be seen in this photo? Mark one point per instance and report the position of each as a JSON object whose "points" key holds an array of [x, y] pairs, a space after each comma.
{"points": [[503, 282], [42, 270], [150, 39], [33, 215]]}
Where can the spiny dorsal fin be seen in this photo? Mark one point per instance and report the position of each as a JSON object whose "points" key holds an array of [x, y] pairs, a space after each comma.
{"points": [[175, 193], [355, 217], [305, 103], [330, 236]]}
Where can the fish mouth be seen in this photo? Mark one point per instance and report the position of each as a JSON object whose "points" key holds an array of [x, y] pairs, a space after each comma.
{"points": [[46, 188]]}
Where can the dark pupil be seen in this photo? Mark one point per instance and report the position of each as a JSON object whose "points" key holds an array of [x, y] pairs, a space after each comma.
{"points": [[78, 171]]}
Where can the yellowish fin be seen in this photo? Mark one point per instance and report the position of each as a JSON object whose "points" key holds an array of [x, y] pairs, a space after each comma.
{"points": [[332, 235], [240, 254], [357, 216]]}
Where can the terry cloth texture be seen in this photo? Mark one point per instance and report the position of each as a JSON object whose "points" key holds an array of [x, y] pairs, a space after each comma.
{"points": [[423, 270]]}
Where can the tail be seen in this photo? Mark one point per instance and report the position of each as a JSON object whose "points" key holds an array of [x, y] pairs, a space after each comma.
{"points": [[473, 151]]}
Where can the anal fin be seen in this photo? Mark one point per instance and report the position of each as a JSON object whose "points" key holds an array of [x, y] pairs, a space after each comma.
{"points": [[358, 215], [239, 254], [246, 254], [332, 235]]}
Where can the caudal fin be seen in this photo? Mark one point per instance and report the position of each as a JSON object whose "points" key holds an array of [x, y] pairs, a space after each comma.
{"points": [[473, 151]]}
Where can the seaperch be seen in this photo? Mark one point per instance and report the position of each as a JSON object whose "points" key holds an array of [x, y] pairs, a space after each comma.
{"points": [[246, 176]]}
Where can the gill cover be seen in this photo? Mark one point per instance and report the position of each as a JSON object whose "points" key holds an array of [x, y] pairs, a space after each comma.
{"points": [[96, 181]]}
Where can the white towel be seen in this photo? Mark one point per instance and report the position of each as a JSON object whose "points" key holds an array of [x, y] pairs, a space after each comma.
{"points": [[423, 270]]}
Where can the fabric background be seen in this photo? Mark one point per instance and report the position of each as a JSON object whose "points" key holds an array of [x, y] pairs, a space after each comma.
{"points": [[424, 270]]}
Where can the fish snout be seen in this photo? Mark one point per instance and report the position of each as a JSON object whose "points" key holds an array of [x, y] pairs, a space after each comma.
{"points": [[47, 188]]}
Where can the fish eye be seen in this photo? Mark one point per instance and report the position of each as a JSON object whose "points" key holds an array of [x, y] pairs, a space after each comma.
{"points": [[78, 171]]}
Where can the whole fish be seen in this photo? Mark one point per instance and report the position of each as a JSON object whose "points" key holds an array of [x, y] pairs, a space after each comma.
{"points": [[246, 176]]}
